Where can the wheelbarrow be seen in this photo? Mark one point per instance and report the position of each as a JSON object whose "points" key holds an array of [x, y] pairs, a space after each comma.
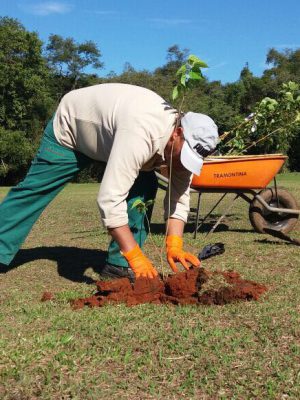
{"points": [[270, 208]]}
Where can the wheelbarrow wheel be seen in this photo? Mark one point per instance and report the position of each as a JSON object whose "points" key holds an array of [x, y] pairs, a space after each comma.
{"points": [[262, 218]]}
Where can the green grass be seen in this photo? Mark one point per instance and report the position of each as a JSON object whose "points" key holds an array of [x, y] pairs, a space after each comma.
{"points": [[239, 351]]}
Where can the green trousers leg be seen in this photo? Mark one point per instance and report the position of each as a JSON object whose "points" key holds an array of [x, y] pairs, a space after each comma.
{"points": [[53, 166], [144, 188]]}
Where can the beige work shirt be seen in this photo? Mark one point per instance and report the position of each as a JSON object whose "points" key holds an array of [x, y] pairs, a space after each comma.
{"points": [[127, 127]]}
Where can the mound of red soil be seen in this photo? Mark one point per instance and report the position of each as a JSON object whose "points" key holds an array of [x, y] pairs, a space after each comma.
{"points": [[47, 296], [183, 288]]}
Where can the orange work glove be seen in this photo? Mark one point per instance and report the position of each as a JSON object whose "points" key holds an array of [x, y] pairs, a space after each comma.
{"points": [[139, 263], [176, 253]]}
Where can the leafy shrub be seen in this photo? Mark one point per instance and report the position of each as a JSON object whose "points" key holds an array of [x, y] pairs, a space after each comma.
{"points": [[16, 152]]}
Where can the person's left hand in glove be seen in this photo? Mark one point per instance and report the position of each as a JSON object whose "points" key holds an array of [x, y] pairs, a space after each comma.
{"points": [[175, 253]]}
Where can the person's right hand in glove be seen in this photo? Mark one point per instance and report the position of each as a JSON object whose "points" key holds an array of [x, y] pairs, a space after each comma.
{"points": [[175, 253], [139, 263]]}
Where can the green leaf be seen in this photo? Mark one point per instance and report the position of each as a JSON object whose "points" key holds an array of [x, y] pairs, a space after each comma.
{"points": [[195, 75], [289, 96], [196, 69], [137, 204], [181, 70], [175, 93], [183, 80], [292, 85], [196, 62], [149, 203]]}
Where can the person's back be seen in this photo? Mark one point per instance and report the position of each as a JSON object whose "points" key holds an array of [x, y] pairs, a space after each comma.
{"points": [[87, 119]]}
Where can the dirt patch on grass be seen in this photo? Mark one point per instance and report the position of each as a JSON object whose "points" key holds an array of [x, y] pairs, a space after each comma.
{"points": [[47, 296], [196, 287]]}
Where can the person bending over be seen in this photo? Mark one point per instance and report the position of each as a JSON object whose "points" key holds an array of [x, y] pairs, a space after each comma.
{"points": [[133, 130]]}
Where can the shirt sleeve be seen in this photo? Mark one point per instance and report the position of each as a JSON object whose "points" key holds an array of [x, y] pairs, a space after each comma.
{"points": [[179, 195], [129, 153]]}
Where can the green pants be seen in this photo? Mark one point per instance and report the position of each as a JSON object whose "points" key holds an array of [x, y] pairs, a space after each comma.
{"points": [[144, 188], [52, 168]]}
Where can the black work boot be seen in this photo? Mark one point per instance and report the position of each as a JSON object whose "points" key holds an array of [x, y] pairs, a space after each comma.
{"points": [[116, 272]]}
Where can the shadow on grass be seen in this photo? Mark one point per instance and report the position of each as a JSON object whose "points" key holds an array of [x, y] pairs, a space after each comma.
{"points": [[277, 243], [72, 262], [157, 228]]}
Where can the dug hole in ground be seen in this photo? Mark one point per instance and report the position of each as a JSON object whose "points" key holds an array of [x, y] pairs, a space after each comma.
{"points": [[193, 287]]}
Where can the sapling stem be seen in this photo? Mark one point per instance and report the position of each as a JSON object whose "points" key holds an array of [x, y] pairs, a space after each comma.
{"points": [[169, 204], [261, 139], [188, 74], [142, 208], [225, 134], [159, 253], [180, 111]]}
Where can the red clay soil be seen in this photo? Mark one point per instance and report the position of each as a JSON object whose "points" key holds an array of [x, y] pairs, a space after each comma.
{"points": [[47, 296], [182, 288]]}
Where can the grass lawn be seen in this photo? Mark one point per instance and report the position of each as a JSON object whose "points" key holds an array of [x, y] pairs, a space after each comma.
{"points": [[239, 351]]}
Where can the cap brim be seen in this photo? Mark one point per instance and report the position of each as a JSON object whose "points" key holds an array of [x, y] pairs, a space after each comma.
{"points": [[190, 160]]}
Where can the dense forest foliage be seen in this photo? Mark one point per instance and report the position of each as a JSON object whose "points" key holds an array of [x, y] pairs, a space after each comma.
{"points": [[35, 75]]}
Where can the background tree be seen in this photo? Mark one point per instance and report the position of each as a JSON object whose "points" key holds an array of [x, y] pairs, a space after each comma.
{"points": [[251, 90], [16, 152], [32, 83], [25, 99], [175, 58], [68, 60], [284, 66]]}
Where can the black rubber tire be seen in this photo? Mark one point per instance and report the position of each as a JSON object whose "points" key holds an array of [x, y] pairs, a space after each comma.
{"points": [[261, 218]]}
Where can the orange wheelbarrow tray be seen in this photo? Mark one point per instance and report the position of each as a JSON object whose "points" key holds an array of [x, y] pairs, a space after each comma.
{"points": [[270, 208]]}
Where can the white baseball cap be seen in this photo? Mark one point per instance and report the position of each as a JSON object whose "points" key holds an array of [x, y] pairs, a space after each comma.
{"points": [[201, 138]]}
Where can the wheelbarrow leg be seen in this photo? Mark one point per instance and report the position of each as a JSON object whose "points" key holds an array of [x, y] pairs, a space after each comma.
{"points": [[222, 216], [207, 215], [276, 192], [197, 215]]}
